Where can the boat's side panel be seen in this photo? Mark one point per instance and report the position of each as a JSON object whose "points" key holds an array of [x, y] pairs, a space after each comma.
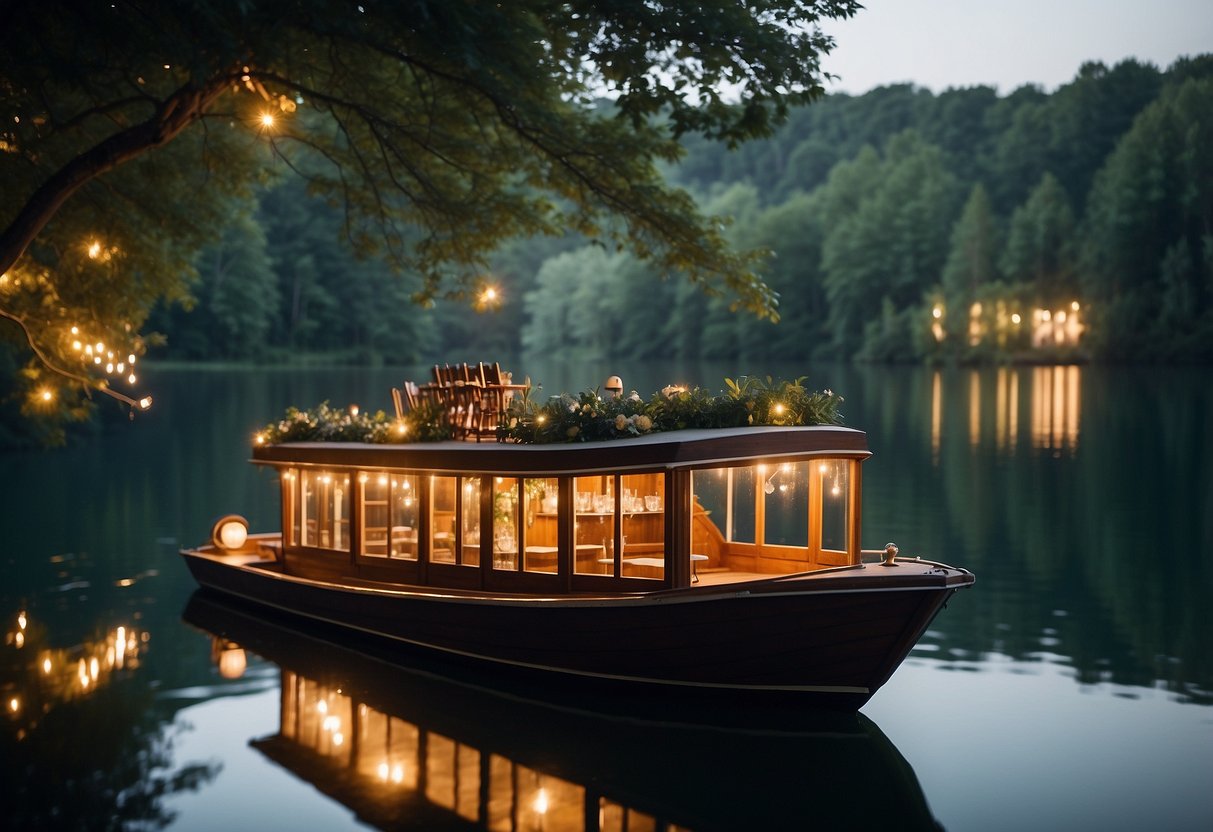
{"points": [[840, 644]]}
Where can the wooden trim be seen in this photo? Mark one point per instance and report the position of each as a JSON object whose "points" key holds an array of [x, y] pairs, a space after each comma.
{"points": [[688, 448]]}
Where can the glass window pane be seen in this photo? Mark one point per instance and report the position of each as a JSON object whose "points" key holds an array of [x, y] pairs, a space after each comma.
{"points": [[290, 500], [404, 517], [835, 498], [442, 519], [786, 491], [743, 523], [594, 520], [470, 548], [375, 490], [326, 508], [505, 523], [709, 513], [539, 530], [642, 501]]}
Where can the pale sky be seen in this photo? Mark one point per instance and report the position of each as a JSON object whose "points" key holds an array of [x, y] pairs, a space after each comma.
{"points": [[1007, 43]]}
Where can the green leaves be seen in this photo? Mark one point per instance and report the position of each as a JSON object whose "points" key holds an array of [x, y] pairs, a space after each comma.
{"points": [[748, 402]]}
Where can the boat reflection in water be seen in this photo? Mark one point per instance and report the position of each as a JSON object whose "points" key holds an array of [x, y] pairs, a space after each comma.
{"points": [[430, 745]]}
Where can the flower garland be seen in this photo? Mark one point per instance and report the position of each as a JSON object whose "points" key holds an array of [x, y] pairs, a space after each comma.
{"points": [[586, 417]]}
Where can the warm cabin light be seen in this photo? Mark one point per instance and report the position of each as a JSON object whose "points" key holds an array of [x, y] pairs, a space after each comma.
{"points": [[936, 313], [541, 802], [363, 477], [383, 479], [120, 644], [835, 490], [383, 771], [232, 663], [338, 738], [402, 428], [490, 295], [77, 346], [131, 379], [1074, 305], [267, 120], [398, 774], [259, 439], [145, 402], [109, 368], [1060, 316], [1015, 319], [322, 706], [540, 419], [779, 409], [94, 668], [22, 620], [19, 640], [230, 532], [354, 410], [94, 250], [823, 467], [75, 330], [45, 394], [130, 359], [14, 704], [46, 665]]}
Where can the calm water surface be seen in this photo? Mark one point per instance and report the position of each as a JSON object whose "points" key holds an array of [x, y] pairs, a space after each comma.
{"points": [[1072, 688]]}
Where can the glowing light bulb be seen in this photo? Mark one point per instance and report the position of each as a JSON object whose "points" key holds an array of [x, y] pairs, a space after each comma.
{"points": [[131, 379], [45, 394], [145, 402], [94, 250], [383, 771]]}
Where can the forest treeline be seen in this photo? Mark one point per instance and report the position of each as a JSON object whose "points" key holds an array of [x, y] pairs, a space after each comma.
{"points": [[902, 225]]}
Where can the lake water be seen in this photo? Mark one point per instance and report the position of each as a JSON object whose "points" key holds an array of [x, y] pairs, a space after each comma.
{"points": [[1070, 689]]}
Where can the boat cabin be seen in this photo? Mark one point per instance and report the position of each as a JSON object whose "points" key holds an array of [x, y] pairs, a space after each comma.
{"points": [[670, 510]]}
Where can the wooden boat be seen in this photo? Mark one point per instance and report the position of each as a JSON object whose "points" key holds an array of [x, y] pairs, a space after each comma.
{"points": [[719, 562], [432, 744]]}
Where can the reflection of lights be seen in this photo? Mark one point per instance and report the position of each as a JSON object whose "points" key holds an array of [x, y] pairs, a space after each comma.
{"points": [[541, 802], [384, 770], [331, 723], [835, 490], [19, 640], [14, 704], [338, 738], [46, 665], [322, 706]]}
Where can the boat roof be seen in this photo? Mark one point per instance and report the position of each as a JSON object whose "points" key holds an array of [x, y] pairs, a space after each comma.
{"points": [[671, 449]]}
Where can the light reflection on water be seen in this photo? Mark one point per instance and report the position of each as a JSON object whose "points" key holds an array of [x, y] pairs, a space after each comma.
{"points": [[1080, 664]]}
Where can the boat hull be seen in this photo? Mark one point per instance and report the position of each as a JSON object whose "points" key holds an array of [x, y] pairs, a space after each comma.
{"points": [[832, 639]]}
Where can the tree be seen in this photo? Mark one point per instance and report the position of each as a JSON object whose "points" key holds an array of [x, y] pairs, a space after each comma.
{"points": [[1040, 250], [1147, 269], [971, 263], [470, 121]]}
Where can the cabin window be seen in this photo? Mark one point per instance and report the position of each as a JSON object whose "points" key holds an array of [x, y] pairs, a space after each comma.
{"points": [[594, 521], [743, 518], [325, 510], [290, 497], [469, 548], [539, 496], [785, 505], [442, 519], [389, 515], [642, 545], [506, 506], [404, 515], [835, 501]]}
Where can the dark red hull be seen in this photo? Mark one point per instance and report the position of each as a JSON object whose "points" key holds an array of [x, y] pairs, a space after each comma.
{"points": [[831, 637]]}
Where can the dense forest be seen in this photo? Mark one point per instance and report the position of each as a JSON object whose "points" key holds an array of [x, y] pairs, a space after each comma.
{"points": [[900, 224]]}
